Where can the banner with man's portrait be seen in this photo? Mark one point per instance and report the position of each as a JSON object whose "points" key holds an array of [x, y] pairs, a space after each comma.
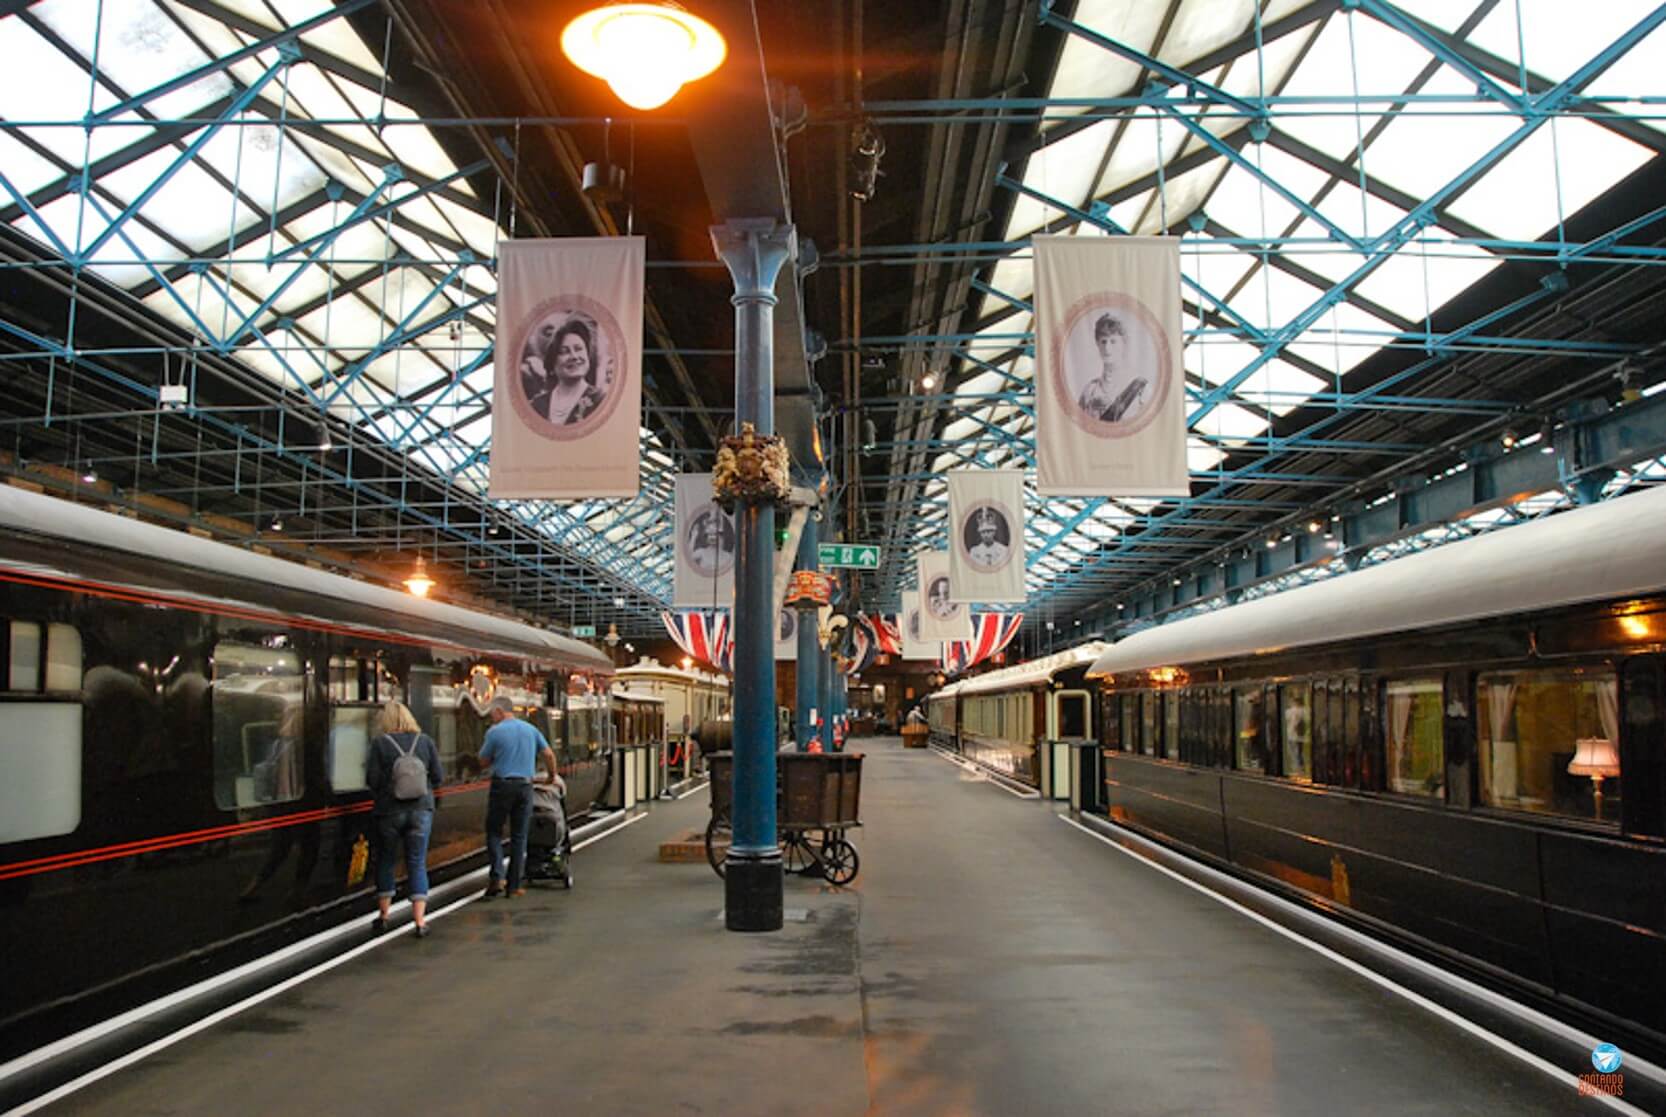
{"points": [[567, 394], [786, 633], [706, 542], [1110, 390], [914, 645], [986, 535], [941, 616]]}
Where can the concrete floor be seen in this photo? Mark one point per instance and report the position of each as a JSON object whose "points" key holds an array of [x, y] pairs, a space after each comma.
{"points": [[988, 960]]}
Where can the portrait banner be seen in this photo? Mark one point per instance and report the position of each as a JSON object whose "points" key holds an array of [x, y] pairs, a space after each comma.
{"points": [[786, 634], [986, 535], [914, 645], [1110, 391], [941, 616], [567, 393], [704, 576]]}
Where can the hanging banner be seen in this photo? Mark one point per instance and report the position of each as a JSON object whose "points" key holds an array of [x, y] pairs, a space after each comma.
{"points": [[941, 616], [786, 634], [991, 633], [1110, 392], [704, 576], [567, 395], [915, 645], [986, 535]]}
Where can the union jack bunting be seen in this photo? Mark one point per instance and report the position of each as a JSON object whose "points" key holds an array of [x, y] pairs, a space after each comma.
{"points": [[703, 636], [991, 633], [872, 637], [887, 634]]}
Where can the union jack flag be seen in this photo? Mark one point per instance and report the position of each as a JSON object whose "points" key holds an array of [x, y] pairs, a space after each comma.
{"points": [[703, 636], [991, 633]]}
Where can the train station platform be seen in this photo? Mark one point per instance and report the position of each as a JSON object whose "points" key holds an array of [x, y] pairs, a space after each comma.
{"points": [[989, 959]]}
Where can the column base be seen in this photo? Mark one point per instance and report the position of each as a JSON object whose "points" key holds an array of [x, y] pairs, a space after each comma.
{"points": [[752, 891]]}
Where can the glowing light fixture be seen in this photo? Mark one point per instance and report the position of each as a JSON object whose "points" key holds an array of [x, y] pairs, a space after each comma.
{"points": [[928, 381], [644, 51], [419, 583]]}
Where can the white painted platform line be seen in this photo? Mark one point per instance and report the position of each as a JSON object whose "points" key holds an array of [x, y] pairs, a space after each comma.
{"points": [[694, 790], [1011, 787], [1564, 1077], [162, 1004]]}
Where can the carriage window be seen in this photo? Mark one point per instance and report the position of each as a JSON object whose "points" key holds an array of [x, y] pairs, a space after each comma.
{"points": [[1110, 721], [1249, 737], [1416, 746], [258, 723], [1149, 726], [1073, 716], [1171, 724], [1296, 705], [40, 740], [1550, 742], [351, 729]]}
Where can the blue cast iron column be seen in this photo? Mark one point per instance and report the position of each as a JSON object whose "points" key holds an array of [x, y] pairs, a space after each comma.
{"points": [[754, 250], [809, 649]]}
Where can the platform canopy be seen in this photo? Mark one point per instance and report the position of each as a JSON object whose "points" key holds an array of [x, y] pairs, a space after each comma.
{"points": [[1421, 245]]}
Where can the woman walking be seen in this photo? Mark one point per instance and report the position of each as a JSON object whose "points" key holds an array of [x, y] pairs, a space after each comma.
{"points": [[402, 770]]}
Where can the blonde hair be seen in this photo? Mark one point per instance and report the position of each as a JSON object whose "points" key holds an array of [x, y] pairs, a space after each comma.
{"points": [[396, 717]]}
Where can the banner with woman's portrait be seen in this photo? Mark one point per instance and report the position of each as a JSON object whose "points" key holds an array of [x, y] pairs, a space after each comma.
{"points": [[786, 634], [1110, 390], [706, 544], [941, 616], [986, 535], [567, 395]]}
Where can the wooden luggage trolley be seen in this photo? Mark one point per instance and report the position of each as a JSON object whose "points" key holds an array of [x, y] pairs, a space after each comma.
{"points": [[819, 796]]}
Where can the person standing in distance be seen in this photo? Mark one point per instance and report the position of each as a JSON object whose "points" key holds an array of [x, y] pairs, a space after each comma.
{"points": [[510, 750]]}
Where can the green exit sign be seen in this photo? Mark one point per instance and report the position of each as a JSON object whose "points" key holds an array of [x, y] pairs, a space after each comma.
{"points": [[584, 631], [855, 556]]}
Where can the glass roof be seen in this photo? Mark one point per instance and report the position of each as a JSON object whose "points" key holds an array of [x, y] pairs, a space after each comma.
{"points": [[1363, 122], [269, 218]]}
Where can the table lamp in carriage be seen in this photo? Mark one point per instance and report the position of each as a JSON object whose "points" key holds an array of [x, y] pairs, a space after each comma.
{"points": [[1597, 758]]}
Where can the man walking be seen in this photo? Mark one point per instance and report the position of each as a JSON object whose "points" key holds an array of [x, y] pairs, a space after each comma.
{"points": [[510, 750]]}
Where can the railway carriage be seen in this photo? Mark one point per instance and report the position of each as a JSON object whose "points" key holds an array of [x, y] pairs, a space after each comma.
{"points": [[1462, 750], [182, 750], [1005, 720]]}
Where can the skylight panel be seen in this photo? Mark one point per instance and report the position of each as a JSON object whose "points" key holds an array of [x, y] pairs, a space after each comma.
{"points": [[336, 37], [1180, 196], [1423, 151], [139, 48], [1279, 386], [118, 263], [1637, 73], [1358, 213], [1200, 28], [478, 230], [1344, 337], [262, 164], [52, 87], [1248, 77], [1088, 70], [1201, 458], [1381, 60], [1424, 275], [1559, 40], [1251, 208], [190, 207], [351, 327], [1135, 153], [1518, 198], [1229, 423], [1063, 169], [25, 170]]}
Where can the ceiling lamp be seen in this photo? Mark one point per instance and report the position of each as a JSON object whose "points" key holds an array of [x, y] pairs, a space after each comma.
{"points": [[419, 583], [646, 52]]}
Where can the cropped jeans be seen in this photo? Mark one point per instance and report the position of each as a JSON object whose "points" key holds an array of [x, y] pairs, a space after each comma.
{"points": [[412, 825], [511, 801]]}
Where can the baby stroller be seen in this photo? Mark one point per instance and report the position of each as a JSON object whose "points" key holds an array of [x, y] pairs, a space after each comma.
{"points": [[549, 845]]}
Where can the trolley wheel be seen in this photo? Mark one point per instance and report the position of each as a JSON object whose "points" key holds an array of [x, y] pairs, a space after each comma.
{"points": [[839, 861], [797, 856], [718, 835]]}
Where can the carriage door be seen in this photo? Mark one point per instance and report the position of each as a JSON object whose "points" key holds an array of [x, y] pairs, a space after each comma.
{"points": [[1072, 720], [1643, 745]]}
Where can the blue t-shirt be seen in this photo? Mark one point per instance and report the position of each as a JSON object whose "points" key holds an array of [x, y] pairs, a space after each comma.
{"points": [[511, 748]]}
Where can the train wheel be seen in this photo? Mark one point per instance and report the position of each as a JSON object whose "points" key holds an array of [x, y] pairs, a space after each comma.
{"points": [[839, 861], [718, 835]]}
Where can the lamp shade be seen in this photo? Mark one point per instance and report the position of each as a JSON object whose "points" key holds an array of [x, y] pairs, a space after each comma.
{"points": [[1594, 756], [645, 51]]}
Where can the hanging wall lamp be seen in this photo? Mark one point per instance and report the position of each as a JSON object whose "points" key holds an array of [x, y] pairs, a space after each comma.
{"points": [[645, 51], [419, 583]]}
